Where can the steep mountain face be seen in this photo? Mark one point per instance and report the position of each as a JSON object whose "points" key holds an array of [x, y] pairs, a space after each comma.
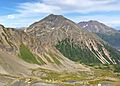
{"points": [[10, 41], [58, 33], [19, 44], [107, 33], [23, 55]]}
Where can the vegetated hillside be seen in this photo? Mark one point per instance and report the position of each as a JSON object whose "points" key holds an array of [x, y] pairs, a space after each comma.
{"points": [[20, 44], [24, 59], [113, 39], [72, 41], [105, 32], [52, 49]]}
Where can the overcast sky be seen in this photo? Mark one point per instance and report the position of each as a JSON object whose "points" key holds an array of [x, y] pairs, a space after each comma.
{"points": [[22, 13]]}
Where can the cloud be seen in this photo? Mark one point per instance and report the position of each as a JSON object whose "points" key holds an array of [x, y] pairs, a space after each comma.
{"points": [[19, 20], [10, 16], [37, 7], [29, 12], [68, 6], [85, 6]]}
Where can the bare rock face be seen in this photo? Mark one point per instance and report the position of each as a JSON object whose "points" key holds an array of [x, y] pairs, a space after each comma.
{"points": [[55, 28], [97, 27], [10, 39]]}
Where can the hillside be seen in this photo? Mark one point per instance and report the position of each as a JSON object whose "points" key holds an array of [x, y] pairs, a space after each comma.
{"points": [[54, 49], [105, 32], [73, 42]]}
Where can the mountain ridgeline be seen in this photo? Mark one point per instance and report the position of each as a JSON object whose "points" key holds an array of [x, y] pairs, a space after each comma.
{"points": [[52, 45], [72, 41], [105, 32]]}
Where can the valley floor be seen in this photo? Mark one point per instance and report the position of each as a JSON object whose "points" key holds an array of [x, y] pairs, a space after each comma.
{"points": [[43, 77]]}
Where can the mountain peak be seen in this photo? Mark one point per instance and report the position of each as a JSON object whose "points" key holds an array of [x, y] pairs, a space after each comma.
{"points": [[93, 21], [52, 22], [53, 17], [1, 26], [97, 27]]}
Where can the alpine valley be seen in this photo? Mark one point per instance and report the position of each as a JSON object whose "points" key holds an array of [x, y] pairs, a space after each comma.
{"points": [[55, 51]]}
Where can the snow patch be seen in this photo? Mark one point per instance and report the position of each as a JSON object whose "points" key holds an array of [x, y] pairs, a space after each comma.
{"points": [[53, 28], [85, 26], [25, 30]]}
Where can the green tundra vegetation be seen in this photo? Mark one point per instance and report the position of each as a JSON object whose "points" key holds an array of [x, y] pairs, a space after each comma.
{"points": [[76, 53], [113, 52], [96, 76], [113, 39], [28, 56], [85, 56]]}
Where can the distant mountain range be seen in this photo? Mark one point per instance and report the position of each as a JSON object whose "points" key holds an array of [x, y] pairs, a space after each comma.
{"points": [[55, 44], [105, 32]]}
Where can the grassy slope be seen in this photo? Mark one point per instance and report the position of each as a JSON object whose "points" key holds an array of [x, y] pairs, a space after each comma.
{"points": [[113, 53], [27, 55], [113, 39], [75, 53], [96, 77]]}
